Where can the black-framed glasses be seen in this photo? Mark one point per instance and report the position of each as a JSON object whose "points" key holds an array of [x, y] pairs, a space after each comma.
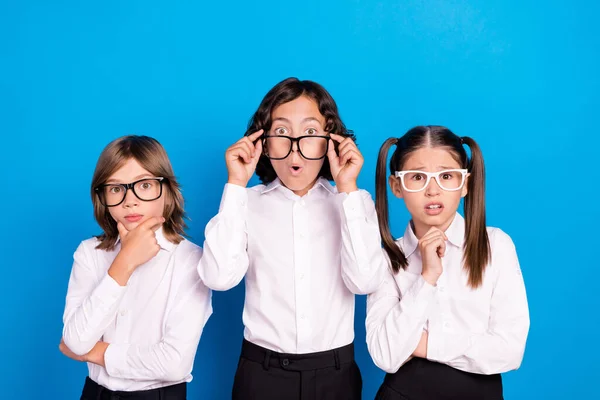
{"points": [[113, 194], [311, 147]]}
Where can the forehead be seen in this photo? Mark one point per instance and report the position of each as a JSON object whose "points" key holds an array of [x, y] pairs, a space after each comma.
{"points": [[129, 171], [298, 109], [429, 158]]}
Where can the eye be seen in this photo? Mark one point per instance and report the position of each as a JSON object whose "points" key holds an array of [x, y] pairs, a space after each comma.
{"points": [[447, 176], [146, 185], [280, 131], [311, 131], [418, 177], [115, 189]]}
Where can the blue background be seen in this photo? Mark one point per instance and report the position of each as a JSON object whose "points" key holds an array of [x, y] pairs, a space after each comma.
{"points": [[519, 76]]}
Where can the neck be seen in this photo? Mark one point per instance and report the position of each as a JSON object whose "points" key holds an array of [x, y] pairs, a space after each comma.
{"points": [[303, 192]]}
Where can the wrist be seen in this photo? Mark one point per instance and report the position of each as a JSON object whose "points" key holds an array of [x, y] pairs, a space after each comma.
{"points": [[121, 269], [347, 187], [96, 356], [237, 182], [431, 277]]}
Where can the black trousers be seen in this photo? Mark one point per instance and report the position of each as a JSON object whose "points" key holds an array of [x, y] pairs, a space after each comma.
{"points": [[421, 379], [93, 391], [267, 375]]}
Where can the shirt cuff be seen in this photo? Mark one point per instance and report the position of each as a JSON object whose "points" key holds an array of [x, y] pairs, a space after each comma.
{"points": [[115, 359], [234, 199], [354, 206]]}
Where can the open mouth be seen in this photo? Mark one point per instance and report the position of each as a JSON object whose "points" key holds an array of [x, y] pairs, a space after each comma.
{"points": [[434, 208], [295, 169]]}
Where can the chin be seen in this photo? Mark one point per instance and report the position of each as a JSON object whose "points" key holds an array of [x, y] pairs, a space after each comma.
{"points": [[438, 220], [297, 184]]}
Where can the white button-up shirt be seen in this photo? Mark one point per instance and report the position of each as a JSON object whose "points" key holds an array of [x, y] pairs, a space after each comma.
{"points": [[153, 324], [481, 330], [304, 258]]}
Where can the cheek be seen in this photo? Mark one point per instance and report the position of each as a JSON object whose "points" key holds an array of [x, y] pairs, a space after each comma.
{"points": [[315, 166], [157, 207], [413, 201], [116, 212]]}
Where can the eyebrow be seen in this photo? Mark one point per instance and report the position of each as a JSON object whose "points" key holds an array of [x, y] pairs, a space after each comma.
{"points": [[422, 168], [134, 179], [307, 119]]}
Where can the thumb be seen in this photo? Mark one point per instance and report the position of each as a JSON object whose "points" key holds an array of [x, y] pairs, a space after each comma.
{"points": [[122, 231], [331, 154]]}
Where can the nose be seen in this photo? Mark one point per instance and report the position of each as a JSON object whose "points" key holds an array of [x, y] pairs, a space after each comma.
{"points": [[131, 199], [295, 146], [433, 188]]}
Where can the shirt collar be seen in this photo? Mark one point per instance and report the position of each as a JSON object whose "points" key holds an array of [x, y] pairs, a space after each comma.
{"points": [[160, 238], [320, 183], [455, 234]]}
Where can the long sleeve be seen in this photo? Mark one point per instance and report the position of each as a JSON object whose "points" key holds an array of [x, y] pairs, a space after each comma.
{"points": [[91, 303], [396, 315], [225, 260], [501, 348], [172, 358], [363, 262]]}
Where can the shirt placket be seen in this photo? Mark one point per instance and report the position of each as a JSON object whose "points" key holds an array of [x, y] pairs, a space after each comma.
{"points": [[302, 251]]}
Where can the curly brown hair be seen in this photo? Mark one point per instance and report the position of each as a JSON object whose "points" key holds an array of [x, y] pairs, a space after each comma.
{"points": [[284, 92]]}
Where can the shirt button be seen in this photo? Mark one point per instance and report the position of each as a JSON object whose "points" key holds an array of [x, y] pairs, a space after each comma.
{"points": [[442, 289], [301, 276], [123, 312], [285, 362], [302, 316], [446, 325]]}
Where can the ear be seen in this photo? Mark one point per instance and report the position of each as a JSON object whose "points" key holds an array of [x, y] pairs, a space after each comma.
{"points": [[465, 188], [396, 186]]}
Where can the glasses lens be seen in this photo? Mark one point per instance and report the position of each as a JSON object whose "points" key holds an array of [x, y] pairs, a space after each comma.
{"points": [[414, 180], [112, 194], [148, 189], [450, 180], [278, 146], [313, 147]]}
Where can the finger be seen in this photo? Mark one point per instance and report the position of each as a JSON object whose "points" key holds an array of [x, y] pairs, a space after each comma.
{"points": [[442, 249], [331, 154], [437, 245], [241, 152], [257, 152], [347, 154], [441, 232], [152, 223], [431, 243], [344, 150], [247, 145], [345, 159], [430, 236], [158, 225], [255, 135], [337, 138], [122, 231], [347, 142], [433, 232]]}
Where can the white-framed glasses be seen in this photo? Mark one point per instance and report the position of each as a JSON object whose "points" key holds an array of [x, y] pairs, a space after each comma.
{"points": [[450, 179]]}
